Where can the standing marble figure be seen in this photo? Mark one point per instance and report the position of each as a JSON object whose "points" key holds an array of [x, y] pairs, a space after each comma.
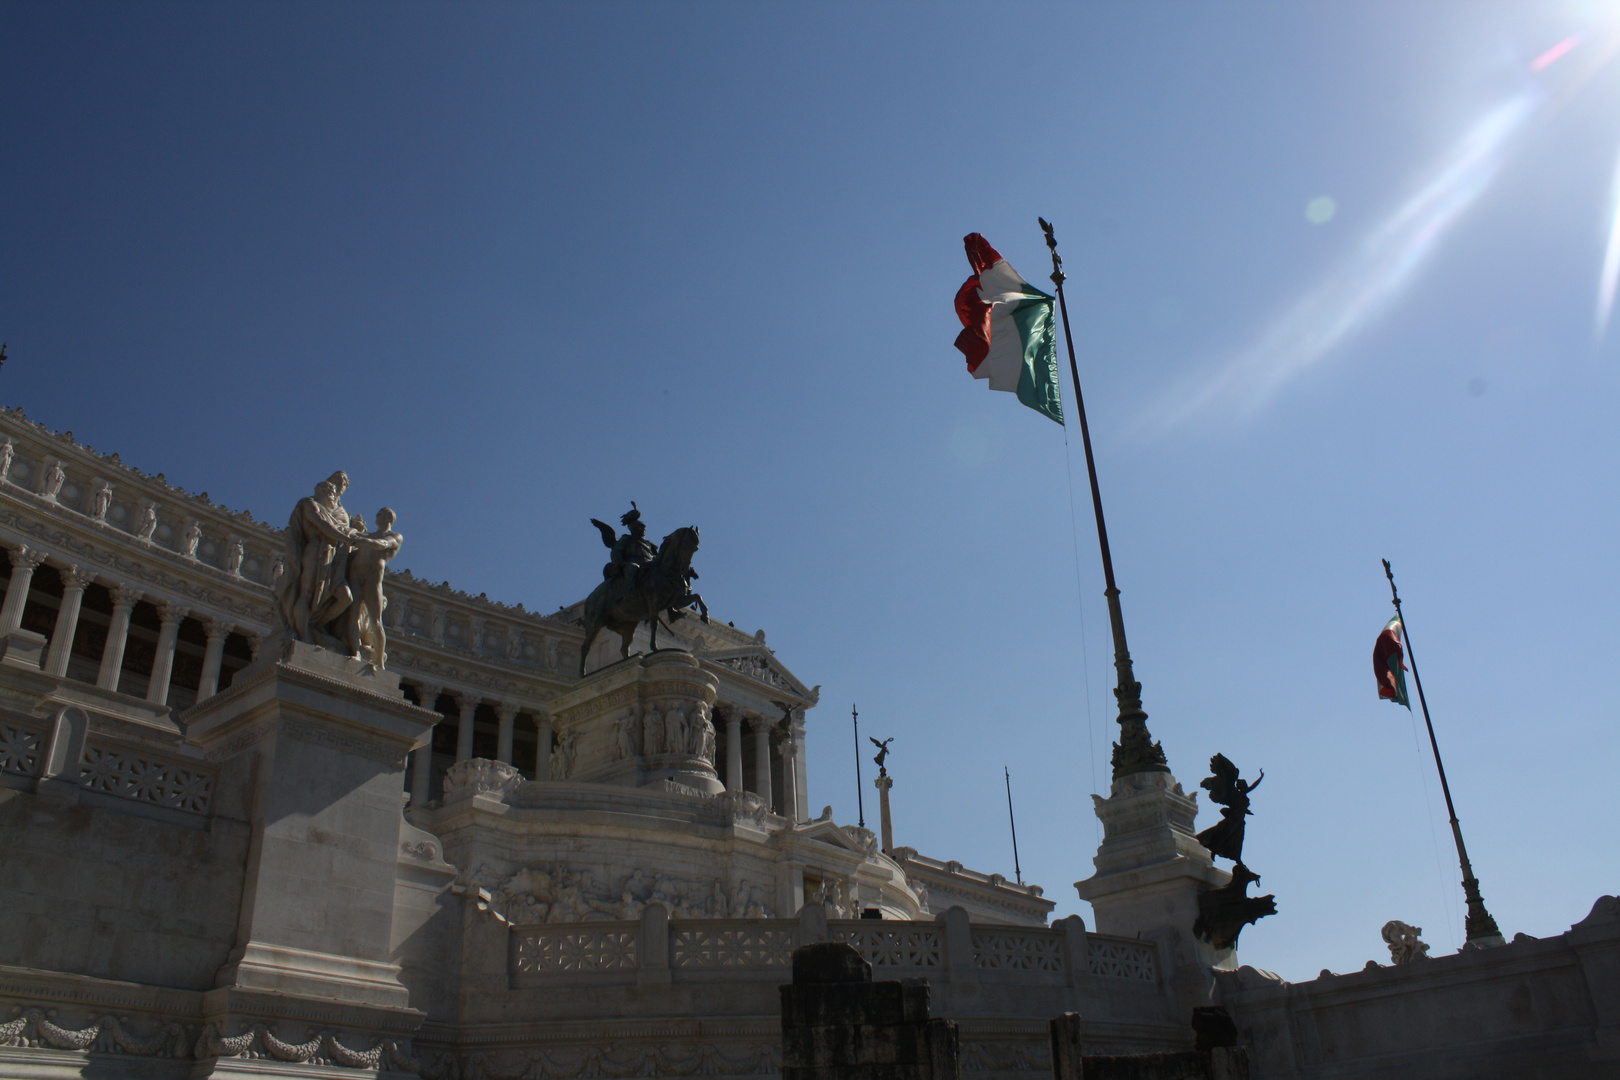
{"points": [[371, 553]]}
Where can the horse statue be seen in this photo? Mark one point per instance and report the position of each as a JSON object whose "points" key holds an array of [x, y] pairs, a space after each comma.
{"points": [[664, 584]]}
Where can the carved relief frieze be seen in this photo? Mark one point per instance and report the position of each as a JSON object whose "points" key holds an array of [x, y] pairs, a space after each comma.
{"points": [[36, 1026], [563, 894], [607, 1057], [323, 1048], [758, 668]]}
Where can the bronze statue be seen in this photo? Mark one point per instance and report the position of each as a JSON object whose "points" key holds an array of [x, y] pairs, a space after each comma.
{"points": [[883, 752], [631, 551], [1225, 837], [1224, 912], [645, 585]]}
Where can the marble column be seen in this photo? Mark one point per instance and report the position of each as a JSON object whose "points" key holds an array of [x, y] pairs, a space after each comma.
{"points": [[790, 777], [507, 713], [112, 657], [762, 759], [24, 561], [883, 783], [74, 581], [157, 690], [464, 726], [422, 769], [542, 752], [733, 750], [801, 785], [215, 656]]}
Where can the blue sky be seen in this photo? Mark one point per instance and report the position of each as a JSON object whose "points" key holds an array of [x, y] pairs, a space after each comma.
{"points": [[512, 266]]}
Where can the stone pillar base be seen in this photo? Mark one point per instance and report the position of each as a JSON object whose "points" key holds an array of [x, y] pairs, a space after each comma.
{"points": [[311, 747], [1150, 872], [613, 725]]}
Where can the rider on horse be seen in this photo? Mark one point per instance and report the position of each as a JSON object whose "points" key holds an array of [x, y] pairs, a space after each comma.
{"points": [[631, 551]]}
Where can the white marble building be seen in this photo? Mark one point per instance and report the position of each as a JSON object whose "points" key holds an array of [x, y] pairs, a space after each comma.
{"points": [[228, 853]]}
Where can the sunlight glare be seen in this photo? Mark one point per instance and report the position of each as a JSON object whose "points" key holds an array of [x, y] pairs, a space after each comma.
{"points": [[1374, 275], [1611, 258]]}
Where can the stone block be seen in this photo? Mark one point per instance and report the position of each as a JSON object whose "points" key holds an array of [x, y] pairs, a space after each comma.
{"points": [[22, 649], [837, 1024]]}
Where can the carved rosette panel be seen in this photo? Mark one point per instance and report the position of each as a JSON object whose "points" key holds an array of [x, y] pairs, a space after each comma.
{"points": [[20, 748], [1121, 958], [1018, 950], [892, 945], [576, 950], [725, 948], [142, 777]]}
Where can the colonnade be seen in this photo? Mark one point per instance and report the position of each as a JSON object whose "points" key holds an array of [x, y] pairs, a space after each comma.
{"points": [[467, 702], [783, 734], [25, 561], [788, 735]]}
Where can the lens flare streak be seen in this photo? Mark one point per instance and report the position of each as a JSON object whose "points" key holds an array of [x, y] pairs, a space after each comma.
{"points": [[1374, 275], [1611, 258]]}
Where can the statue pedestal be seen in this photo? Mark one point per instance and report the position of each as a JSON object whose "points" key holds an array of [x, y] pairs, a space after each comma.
{"points": [[639, 722], [311, 747], [1150, 871]]}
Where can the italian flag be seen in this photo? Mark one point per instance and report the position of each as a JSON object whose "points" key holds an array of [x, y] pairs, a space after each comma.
{"points": [[1007, 334], [1389, 661]]}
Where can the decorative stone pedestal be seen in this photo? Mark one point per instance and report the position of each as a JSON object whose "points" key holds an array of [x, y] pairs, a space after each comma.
{"points": [[311, 747], [639, 722], [1150, 870]]}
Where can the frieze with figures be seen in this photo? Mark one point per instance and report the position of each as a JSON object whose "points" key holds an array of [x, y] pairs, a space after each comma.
{"points": [[561, 894]]}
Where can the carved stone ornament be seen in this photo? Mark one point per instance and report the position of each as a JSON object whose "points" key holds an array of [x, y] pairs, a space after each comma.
{"points": [[1404, 944], [571, 1062], [323, 1048], [560, 894], [481, 776]]}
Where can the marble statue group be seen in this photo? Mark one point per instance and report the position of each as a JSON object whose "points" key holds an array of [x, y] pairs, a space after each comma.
{"points": [[331, 589]]}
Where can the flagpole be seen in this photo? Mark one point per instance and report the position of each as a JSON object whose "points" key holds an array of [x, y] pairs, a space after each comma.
{"points": [[1136, 752], [1018, 871], [1480, 928], [860, 803]]}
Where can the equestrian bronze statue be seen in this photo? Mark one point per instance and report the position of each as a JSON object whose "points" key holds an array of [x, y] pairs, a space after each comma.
{"points": [[640, 582]]}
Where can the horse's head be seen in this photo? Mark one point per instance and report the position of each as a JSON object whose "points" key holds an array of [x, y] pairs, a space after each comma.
{"points": [[678, 548]]}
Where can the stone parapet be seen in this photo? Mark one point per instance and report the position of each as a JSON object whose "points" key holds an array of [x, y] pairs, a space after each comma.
{"points": [[1531, 1007]]}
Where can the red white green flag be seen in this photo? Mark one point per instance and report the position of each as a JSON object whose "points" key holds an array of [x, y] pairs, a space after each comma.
{"points": [[1389, 664], [1007, 333]]}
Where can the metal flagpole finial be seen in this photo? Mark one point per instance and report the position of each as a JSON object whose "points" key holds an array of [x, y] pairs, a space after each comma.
{"points": [[1136, 752], [1058, 276]]}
